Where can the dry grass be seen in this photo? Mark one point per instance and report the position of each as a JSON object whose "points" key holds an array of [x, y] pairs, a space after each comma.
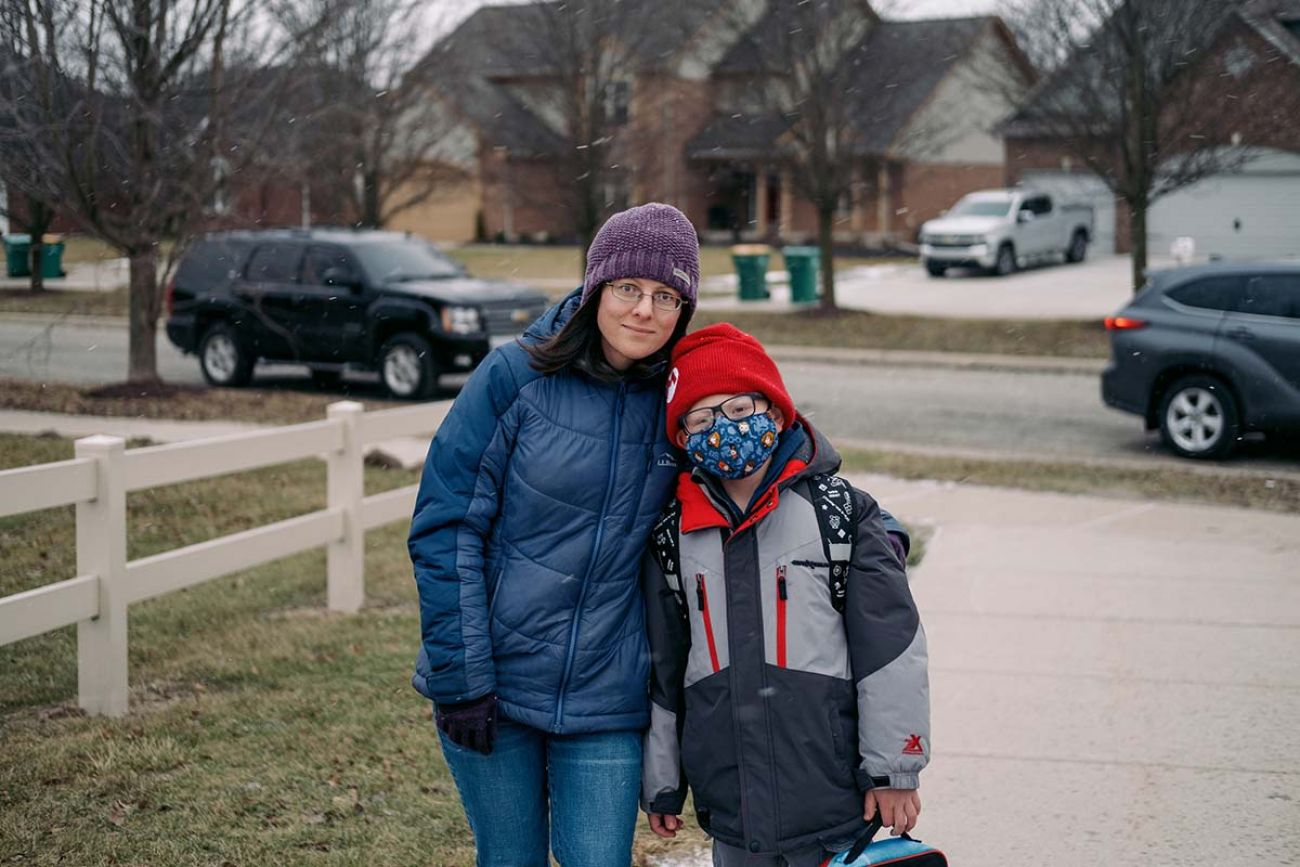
{"points": [[859, 330], [179, 402]]}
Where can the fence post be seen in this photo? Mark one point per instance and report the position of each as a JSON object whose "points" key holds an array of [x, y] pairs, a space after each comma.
{"points": [[346, 490], [101, 551]]}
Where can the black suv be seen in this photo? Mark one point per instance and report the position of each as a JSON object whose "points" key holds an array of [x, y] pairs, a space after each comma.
{"points": [[334, 299], [1208, 353]]}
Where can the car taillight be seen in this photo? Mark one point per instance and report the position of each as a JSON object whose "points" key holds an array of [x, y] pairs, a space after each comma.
{"points": [[1124, 323], [170, 296]]}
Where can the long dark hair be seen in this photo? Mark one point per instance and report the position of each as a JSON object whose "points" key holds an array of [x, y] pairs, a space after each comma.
{"points": [[577, 345]]}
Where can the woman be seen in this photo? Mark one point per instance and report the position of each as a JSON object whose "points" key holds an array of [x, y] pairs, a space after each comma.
{"points": [[533, 512]]}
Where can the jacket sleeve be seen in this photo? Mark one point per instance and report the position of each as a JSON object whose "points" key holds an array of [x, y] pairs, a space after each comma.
{"points": [[888, 654], [893, 525], [455, 508], [663, 782]]}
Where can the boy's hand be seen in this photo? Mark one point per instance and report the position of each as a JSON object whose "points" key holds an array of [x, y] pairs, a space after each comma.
{"points": [[898, 808], [665, 825]]}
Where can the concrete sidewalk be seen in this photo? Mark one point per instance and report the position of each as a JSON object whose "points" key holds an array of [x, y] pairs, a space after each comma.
{"points": [[1113, 681]]}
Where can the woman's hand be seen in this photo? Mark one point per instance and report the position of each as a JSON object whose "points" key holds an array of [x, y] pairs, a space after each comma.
{"points": [[471, 724], [899, 808], [665, 825]]}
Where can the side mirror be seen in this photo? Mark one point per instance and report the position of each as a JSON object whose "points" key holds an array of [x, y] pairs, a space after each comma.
{"points": [[1024, 216], [342, 277]]}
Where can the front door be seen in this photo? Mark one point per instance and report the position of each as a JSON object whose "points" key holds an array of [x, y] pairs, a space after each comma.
{"points": [[332, 305], [1269, 328], [269, 288]]}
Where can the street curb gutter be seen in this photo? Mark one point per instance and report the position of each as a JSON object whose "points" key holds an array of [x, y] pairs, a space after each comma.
{"points": [[813, 354], [946, 360]]}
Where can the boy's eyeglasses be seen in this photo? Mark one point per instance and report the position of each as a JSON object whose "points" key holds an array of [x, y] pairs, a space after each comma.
{"points": [[735, 408], [662, 299]]}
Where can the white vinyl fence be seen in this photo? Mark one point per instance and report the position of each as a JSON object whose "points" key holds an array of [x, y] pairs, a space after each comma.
{"points": [[98, 479]]}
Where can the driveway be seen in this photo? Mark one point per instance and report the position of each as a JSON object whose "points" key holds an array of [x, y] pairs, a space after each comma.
{"points": [[1092, 289]]}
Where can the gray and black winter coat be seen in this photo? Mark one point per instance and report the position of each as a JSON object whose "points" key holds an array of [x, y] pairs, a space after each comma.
{"points": [[778, 710]]}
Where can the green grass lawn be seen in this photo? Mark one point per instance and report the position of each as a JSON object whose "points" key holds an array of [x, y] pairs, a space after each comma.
{"points": [[263, 729]]}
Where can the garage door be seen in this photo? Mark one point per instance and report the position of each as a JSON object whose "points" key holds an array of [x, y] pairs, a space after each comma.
{"points": [[1085, 188], [1251, 214]]}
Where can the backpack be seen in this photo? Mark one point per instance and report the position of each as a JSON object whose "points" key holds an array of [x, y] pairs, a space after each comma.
{"points": [[832, 500]]}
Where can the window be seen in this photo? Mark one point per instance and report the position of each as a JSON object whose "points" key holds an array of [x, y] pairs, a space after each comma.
{"points": [[275, 263], [1274, 295], [1039, 205], [1212, 293], [618, 95], [320, 260], [211, 263], [403, 259]]}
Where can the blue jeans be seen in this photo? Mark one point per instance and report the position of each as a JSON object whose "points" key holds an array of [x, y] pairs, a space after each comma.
{"points": [[581, 791]]}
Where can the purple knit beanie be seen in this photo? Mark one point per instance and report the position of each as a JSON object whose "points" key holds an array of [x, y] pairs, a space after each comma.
{"points": [[653, 242]]}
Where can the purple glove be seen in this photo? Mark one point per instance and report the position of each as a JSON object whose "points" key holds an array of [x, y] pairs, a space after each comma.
{"points": [[899, 550], [471, 724]]}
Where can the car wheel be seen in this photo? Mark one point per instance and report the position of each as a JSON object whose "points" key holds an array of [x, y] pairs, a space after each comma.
{"points": [[936, 269], [1199, 418], [1078, 248], [406, 367], [224, 358], [1006, 262]]}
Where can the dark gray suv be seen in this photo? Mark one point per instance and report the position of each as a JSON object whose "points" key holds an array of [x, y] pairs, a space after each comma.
{"points": [[1208, 353]]}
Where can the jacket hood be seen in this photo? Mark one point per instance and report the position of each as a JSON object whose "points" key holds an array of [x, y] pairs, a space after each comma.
{"points": [[555, 318]]}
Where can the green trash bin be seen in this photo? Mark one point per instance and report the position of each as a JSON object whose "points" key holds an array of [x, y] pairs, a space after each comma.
{"points": [[18, 255], [52, 257], [803, 264], [751, 270]]}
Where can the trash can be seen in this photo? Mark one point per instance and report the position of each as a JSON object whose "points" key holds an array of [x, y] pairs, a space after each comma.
{"points": [[751, 270], [18, 255], [803, 264], [52, 256]]}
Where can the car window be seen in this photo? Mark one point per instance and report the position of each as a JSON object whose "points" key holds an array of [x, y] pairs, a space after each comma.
{"points": [[1274, 295], [980, 208], [211, 262], [1039, 205], [321, 259], [275, 263], [404, 259], [1221, 292]]}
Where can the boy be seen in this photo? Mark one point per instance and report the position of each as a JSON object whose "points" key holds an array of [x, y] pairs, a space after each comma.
{"points": [[792, 711]]}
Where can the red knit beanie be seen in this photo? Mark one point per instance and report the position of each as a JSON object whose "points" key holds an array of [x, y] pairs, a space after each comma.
{"points": [[721, 359]]}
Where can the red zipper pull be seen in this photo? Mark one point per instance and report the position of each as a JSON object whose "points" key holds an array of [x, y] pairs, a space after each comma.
{"points": [[699, 589], [780, 582]]}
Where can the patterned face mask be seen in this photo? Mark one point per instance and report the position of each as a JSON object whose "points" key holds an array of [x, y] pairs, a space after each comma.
{"points": [[733, 449]]}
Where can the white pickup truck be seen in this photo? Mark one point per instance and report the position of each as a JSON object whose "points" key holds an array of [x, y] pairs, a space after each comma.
{"points": [[1000, 230]]}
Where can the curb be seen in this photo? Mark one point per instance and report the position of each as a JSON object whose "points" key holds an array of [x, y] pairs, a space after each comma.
{"points": [[814, 354], [942, 360]]}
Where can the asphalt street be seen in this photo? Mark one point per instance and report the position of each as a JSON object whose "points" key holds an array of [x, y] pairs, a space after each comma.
{"points": [[1009, 413]]}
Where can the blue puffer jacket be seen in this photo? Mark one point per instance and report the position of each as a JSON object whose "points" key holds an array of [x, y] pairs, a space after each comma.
{"points": [[534, 508]]}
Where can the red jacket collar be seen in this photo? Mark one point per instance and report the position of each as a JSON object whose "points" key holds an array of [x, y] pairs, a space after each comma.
{"points": [[699, 512]]}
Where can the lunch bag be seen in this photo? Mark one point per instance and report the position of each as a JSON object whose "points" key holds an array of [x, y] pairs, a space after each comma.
{"points": [[902, 851]]}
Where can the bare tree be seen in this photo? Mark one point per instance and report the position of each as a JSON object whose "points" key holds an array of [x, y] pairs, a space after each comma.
{"points": [[1129, 96], [125, 111], [374, 126]]}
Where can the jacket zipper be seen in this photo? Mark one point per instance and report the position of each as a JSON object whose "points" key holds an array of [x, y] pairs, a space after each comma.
{"points": [[572, 651], [781, 598], [702, 597]]}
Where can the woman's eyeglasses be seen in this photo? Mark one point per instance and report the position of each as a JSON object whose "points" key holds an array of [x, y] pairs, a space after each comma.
{"points": [[662, 299], [741, 406]]}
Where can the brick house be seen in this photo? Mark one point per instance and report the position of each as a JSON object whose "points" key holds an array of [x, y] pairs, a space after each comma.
{"points": [[1246, 75], [696, 132]]}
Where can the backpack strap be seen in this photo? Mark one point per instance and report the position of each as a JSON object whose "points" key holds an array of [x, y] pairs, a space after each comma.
{"points": [[665, 545], [832, 500]]}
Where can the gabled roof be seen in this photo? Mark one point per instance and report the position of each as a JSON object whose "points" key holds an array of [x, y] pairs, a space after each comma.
{"points": [[502, 120], [1263, 16], [898, 66]]}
